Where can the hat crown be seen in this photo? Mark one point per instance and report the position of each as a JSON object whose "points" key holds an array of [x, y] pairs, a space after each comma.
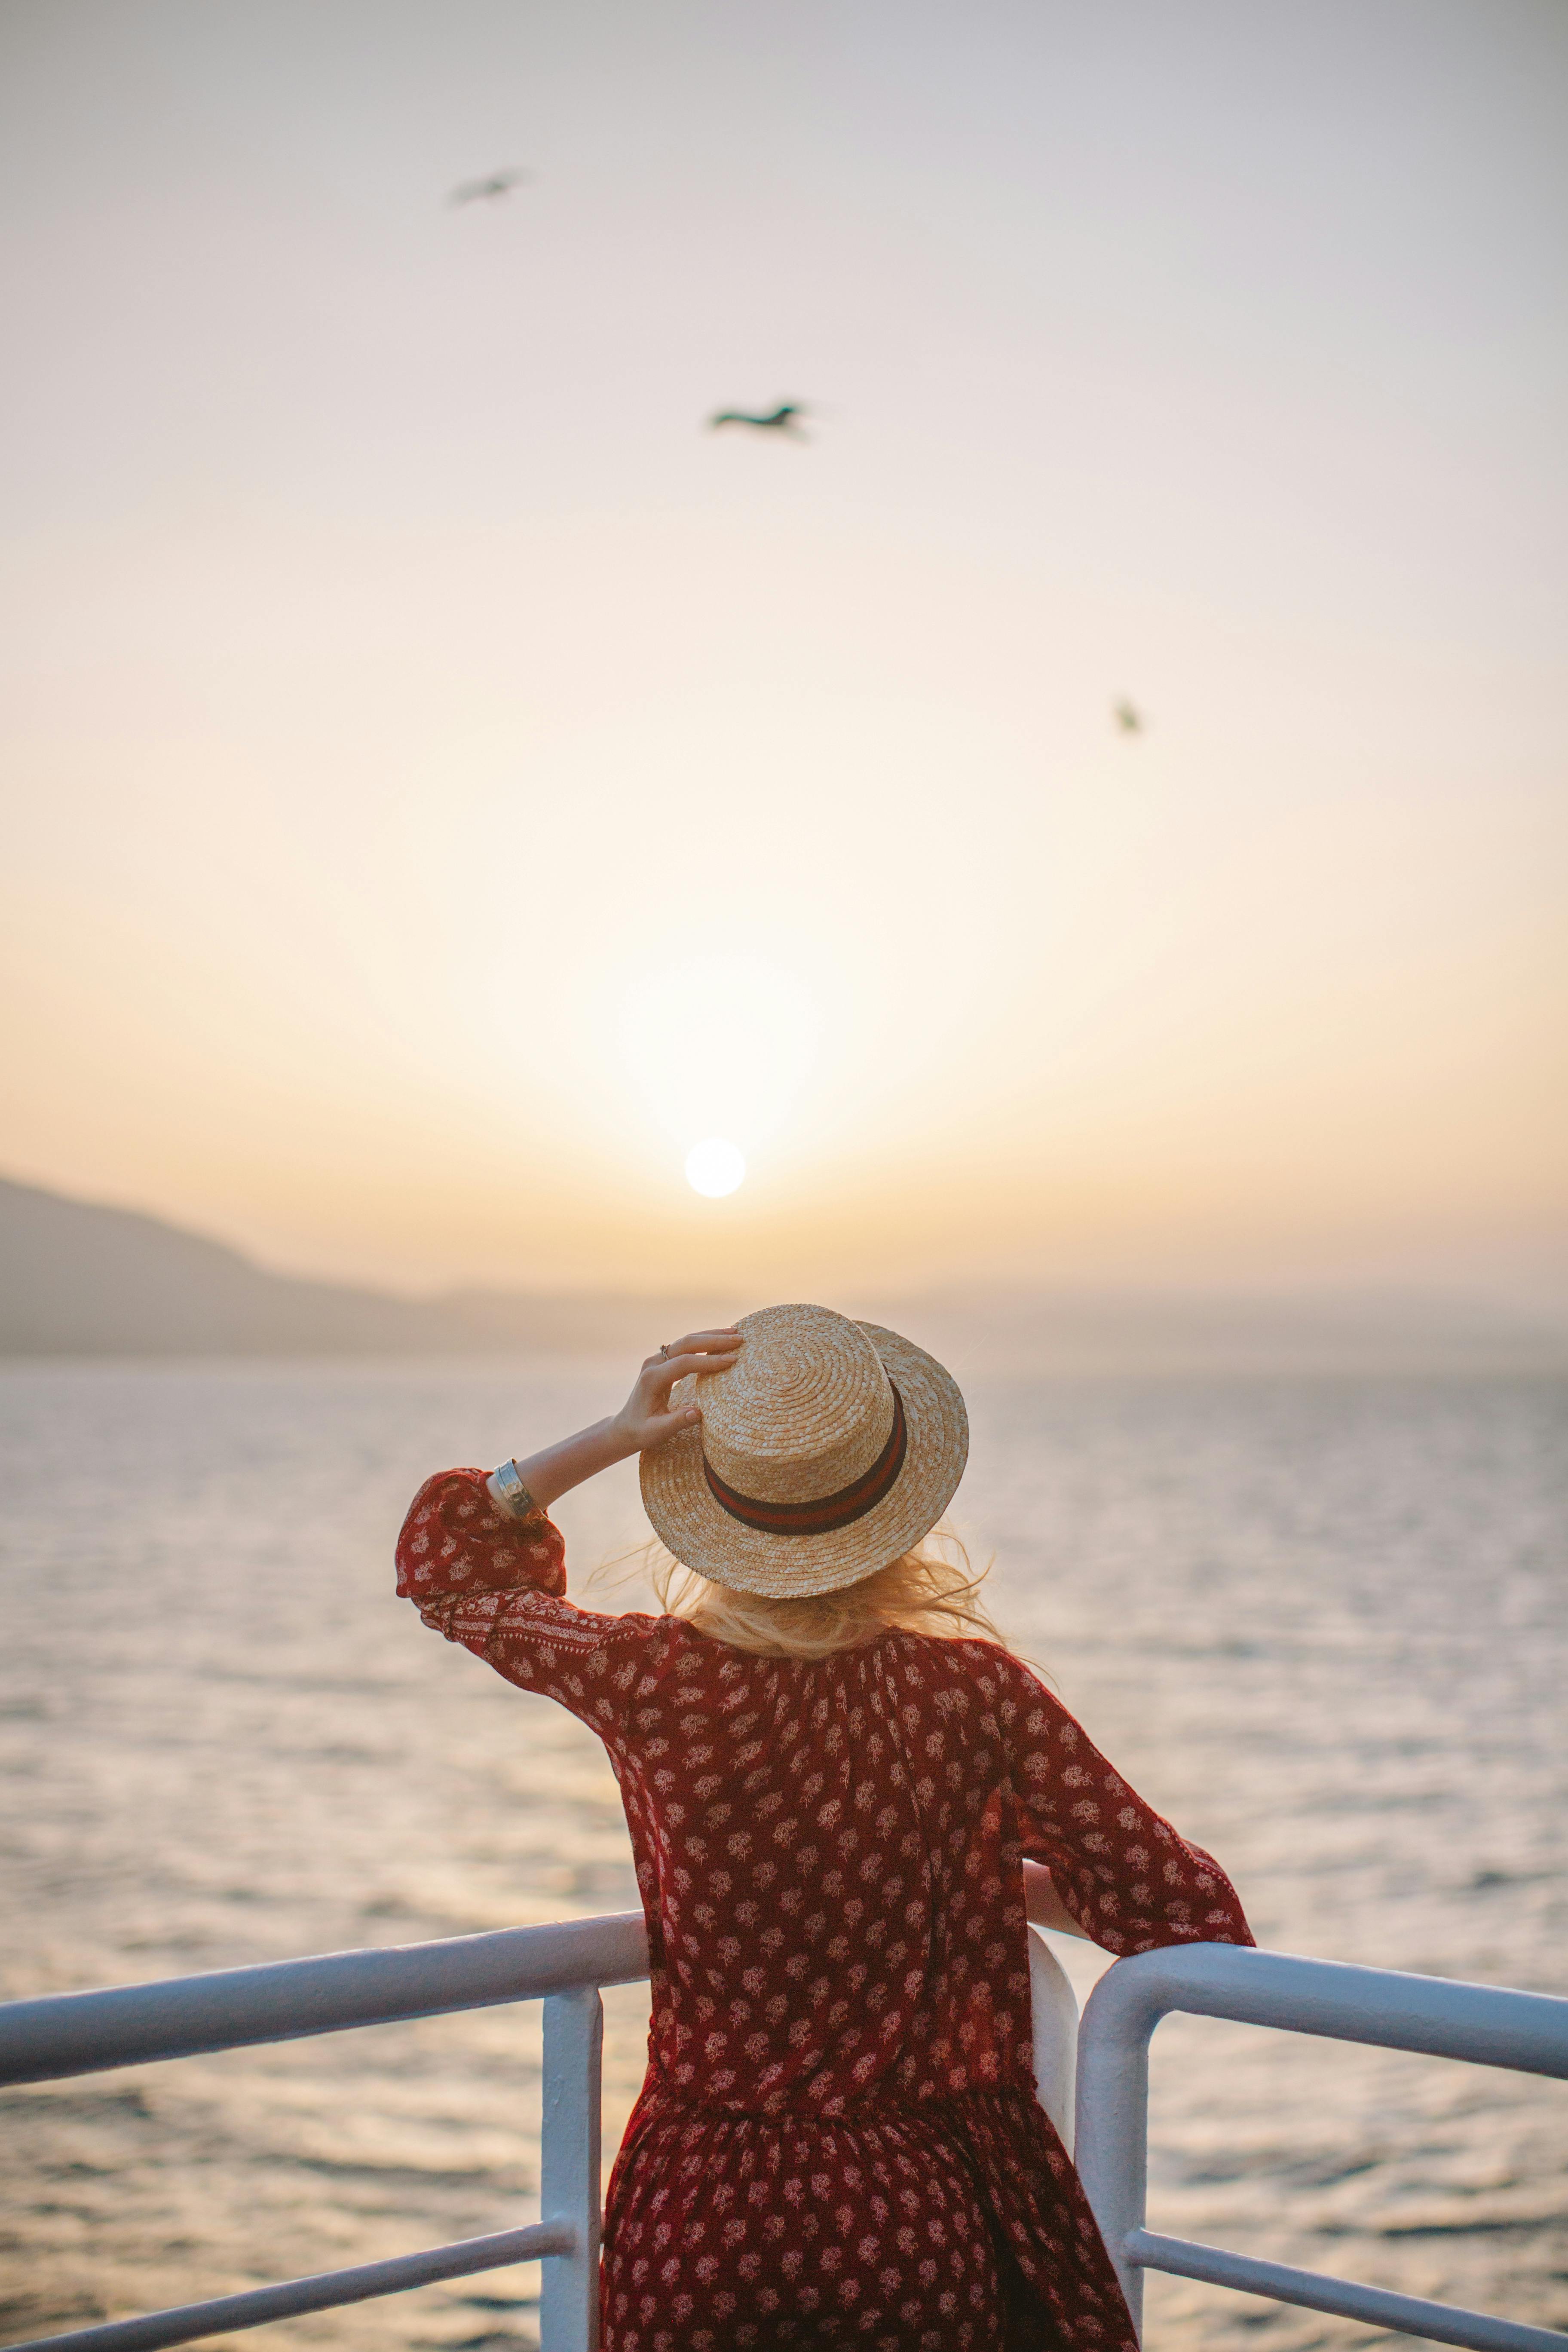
{"points": [[805, 1408]]}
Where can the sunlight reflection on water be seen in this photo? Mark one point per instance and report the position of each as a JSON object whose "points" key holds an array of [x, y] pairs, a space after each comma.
{"points": [[1319, 1623]]}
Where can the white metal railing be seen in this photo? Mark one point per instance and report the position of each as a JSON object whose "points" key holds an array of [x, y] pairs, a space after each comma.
{"points": [[564, 1966], [1524, 2030]]}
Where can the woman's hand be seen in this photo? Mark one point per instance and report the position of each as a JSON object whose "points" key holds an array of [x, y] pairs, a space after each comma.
{"points": [[646, 1419], [1044, 1906]]}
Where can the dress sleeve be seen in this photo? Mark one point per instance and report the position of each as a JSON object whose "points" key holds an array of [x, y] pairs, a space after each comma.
{"points": [[1127, 1877], [497, 1584]]}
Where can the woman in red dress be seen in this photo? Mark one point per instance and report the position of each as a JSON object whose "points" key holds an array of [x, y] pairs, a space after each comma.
{"points": [[833, 1772]]}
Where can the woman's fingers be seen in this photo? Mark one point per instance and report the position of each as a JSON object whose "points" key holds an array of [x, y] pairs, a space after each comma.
{"points": [[700, 1351], [722, 1341], [680, 1365], [663, 1426], [648, 1411], [695, 1343]]}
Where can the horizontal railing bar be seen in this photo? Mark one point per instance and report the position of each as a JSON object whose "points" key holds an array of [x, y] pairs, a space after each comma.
{"points": [[287, 2001], [1437, 2323], [1490, 2025], [324, 2291]]}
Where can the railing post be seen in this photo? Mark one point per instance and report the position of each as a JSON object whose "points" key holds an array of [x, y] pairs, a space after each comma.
{"points": [[1111, 2139], [1487, 2025], [569, 2168], [1053, 2007]]}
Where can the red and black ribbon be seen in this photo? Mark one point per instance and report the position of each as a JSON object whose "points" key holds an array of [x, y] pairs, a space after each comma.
{"points": [[828, 1513]]}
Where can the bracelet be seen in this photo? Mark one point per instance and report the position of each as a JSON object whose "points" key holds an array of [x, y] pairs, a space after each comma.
{"points": [[518, 1499]]}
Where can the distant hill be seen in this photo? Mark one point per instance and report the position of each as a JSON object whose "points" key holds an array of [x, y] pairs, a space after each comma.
{"points": [[80, 1280]]}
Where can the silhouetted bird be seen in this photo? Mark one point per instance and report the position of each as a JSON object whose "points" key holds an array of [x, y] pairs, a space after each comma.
{"points": [[1129, 718], [782, 419], [494, 184]]}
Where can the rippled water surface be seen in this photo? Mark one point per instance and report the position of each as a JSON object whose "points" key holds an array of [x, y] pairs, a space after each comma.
{"points": [[1320, 1624]]}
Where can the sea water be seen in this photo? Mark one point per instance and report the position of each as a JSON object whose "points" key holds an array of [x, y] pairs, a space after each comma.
{"points": [[1319, 1624]]}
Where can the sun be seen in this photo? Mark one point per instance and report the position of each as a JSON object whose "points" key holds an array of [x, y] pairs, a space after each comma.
{"points": [[715, 1167]]}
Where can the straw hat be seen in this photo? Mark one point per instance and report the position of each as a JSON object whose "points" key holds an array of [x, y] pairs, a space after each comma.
{"points": [[824, 1450]]}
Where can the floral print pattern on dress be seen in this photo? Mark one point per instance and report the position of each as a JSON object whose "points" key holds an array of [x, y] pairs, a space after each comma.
{"points": [[837, 2141]]}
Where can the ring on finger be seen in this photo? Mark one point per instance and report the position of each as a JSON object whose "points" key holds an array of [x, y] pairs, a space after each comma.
{"points": [[663, 1350]]}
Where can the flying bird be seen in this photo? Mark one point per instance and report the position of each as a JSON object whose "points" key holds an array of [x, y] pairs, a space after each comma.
{"points": [[494, 184], [782, 419], [1129, 718]]}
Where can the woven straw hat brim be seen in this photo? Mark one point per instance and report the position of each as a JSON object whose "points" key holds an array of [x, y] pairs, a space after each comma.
{"points": [[691, 1523]]}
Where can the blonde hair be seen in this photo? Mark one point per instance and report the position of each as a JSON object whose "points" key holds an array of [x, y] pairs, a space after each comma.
{"points": [[923, 1592]]}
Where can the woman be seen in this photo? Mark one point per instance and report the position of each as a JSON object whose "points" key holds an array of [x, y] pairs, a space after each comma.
{"points": [[833, 1771]]}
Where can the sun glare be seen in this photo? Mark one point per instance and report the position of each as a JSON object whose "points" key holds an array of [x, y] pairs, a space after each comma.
{"points": [[714, 1167]]}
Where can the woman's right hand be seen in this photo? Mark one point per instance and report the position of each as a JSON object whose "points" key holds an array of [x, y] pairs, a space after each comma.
{"points": [[645, 1419]]}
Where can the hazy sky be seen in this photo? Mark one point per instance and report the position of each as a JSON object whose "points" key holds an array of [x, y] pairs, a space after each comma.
{"points": [[443, 783]]}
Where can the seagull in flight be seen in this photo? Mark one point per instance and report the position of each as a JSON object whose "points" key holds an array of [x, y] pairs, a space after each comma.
{"points": [[782, 419], [494, 184], [1128, 716]]}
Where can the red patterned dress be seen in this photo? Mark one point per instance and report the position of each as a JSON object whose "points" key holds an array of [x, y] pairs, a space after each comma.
{"points": [[838, 2142]]}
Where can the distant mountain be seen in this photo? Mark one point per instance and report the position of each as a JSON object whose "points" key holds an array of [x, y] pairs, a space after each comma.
{"points": [[78, 1279]]}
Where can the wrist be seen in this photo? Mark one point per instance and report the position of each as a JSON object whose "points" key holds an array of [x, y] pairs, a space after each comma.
{"points": [[618, 1437]]}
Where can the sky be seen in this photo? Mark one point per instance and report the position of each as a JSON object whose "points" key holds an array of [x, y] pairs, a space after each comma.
{"points": [[444, 782]]}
